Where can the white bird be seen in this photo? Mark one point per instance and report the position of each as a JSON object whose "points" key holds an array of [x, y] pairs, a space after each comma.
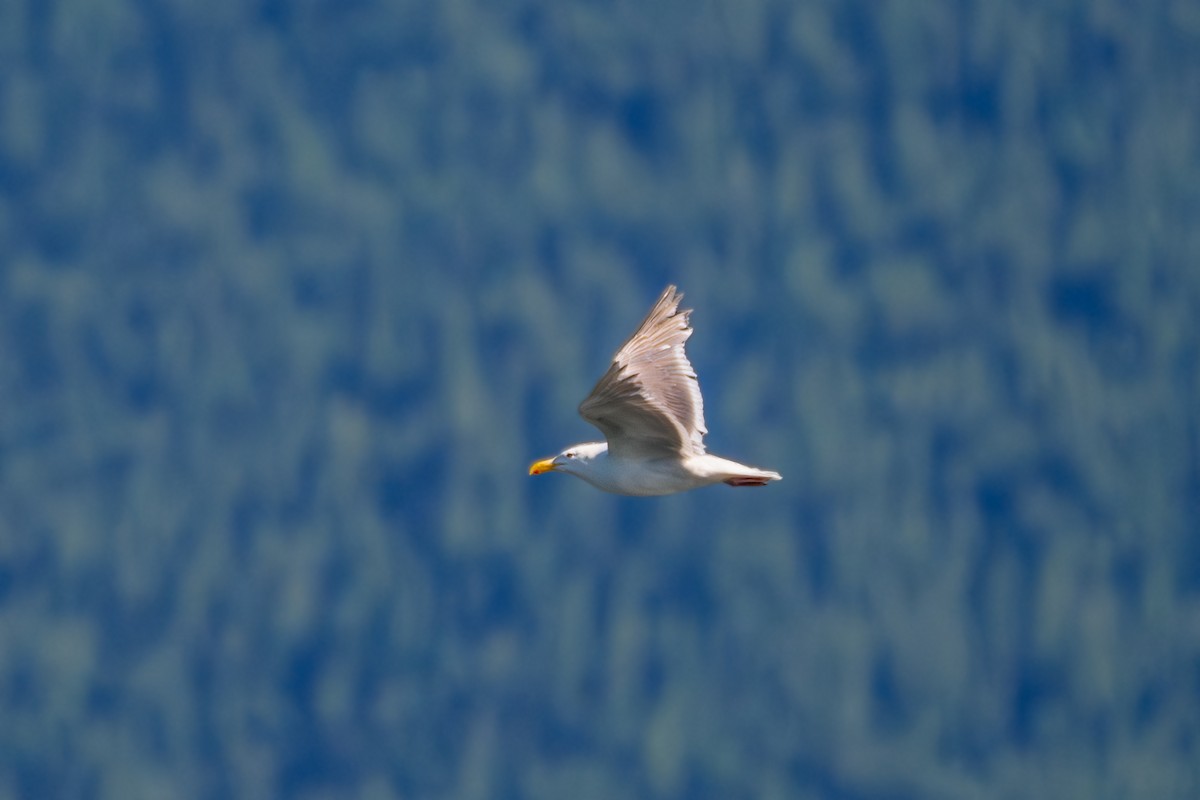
{"points": [[648, 407]]}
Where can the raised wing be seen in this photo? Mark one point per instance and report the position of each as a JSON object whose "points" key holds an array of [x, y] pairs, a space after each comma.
{"points": [[648, 403]]}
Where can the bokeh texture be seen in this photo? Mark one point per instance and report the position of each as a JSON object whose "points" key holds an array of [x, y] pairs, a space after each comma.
{"points": [[292, 292]]}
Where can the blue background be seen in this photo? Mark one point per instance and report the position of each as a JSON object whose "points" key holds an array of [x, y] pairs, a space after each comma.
{"points": [[292, 292]]}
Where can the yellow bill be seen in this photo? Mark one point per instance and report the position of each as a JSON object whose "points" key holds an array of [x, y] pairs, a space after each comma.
{"points": [[538, 467]]}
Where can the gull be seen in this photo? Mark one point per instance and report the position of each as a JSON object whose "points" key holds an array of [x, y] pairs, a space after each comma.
{"points": [[649, 408]]}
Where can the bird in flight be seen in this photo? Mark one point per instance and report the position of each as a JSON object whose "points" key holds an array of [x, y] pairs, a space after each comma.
{"points": [[648, 407]]}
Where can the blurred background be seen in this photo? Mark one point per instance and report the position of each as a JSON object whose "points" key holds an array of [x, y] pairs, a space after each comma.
{"points": [[291, 293]]}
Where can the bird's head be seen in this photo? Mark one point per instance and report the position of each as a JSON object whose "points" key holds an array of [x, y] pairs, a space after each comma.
{"points": [[575, 460]]}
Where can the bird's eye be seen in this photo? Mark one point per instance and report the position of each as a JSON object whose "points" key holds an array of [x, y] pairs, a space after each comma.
{"points": [[570, 455]]}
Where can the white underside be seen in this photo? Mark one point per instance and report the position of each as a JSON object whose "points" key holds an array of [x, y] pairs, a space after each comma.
{"points": [[665, 475]]}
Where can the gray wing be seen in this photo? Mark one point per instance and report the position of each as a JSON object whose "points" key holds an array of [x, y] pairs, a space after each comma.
{"points": [[648, 404]]}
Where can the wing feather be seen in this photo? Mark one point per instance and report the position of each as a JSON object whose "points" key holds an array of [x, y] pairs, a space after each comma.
{"points": [[648, 403]]}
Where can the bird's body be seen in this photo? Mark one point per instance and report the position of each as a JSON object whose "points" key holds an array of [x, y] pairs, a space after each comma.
{"points": [[648, 477], [648, 406]]}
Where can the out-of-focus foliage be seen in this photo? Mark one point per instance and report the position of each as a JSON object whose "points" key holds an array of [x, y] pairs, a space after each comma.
{"points": [[291, 292]]}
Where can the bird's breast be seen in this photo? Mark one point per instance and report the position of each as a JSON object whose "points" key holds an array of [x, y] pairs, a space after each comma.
{"points": [[644, 478]]}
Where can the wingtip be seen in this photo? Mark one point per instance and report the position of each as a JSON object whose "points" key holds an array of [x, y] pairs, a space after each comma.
{"points": [[667, 307], [672, 298]]}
